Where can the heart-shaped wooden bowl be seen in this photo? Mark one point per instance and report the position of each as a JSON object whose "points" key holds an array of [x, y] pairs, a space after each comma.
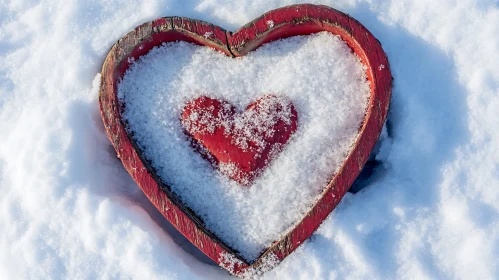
{"points": [[281, 23]]}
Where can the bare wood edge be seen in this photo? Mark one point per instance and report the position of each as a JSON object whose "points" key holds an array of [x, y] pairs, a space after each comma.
{"points": [[337, 187]]}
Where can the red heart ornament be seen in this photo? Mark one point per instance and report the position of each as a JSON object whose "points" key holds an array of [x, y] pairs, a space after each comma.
{"points": [[281, 23], [241, 145]]}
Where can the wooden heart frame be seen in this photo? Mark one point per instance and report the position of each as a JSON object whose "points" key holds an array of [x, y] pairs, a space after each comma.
{"points": [[280, 23]]}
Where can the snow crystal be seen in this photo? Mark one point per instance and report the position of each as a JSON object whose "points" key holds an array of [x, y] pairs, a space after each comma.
{"points": [[318, 74], [230, 262], [208, 34]]}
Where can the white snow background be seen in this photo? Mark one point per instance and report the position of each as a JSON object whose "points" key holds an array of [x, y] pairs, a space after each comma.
{"points": [[68, 209]]}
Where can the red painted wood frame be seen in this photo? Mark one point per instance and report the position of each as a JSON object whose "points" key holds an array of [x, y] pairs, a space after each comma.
{"points": [[281, 23]]}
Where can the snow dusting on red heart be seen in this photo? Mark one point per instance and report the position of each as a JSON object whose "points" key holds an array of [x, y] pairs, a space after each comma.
{"points": [[240, 144]]}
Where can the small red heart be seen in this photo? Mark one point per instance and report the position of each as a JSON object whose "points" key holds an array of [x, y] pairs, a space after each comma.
{"points": [[240, 144]]}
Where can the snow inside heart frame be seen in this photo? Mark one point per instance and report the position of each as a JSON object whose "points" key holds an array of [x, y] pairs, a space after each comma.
{"points": [[281, 23]]}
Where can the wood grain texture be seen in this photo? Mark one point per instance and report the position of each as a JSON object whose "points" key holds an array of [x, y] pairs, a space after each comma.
{"points": [[281, 23]]}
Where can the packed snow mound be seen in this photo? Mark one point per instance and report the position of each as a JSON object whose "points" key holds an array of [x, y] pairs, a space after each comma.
{"points": [[319, 74]]}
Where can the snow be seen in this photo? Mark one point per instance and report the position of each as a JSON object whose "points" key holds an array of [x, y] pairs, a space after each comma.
{"points": [[318, 74], [431, 210]]}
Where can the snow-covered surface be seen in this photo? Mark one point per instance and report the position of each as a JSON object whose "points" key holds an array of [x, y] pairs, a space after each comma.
{"points": [[319, 74], [68, 210]]}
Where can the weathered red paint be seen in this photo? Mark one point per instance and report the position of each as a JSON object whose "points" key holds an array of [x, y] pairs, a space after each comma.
{"points": [[284, 22]]}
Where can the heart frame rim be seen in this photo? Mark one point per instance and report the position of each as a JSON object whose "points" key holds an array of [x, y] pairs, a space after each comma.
{"points": [[302, 19]]}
